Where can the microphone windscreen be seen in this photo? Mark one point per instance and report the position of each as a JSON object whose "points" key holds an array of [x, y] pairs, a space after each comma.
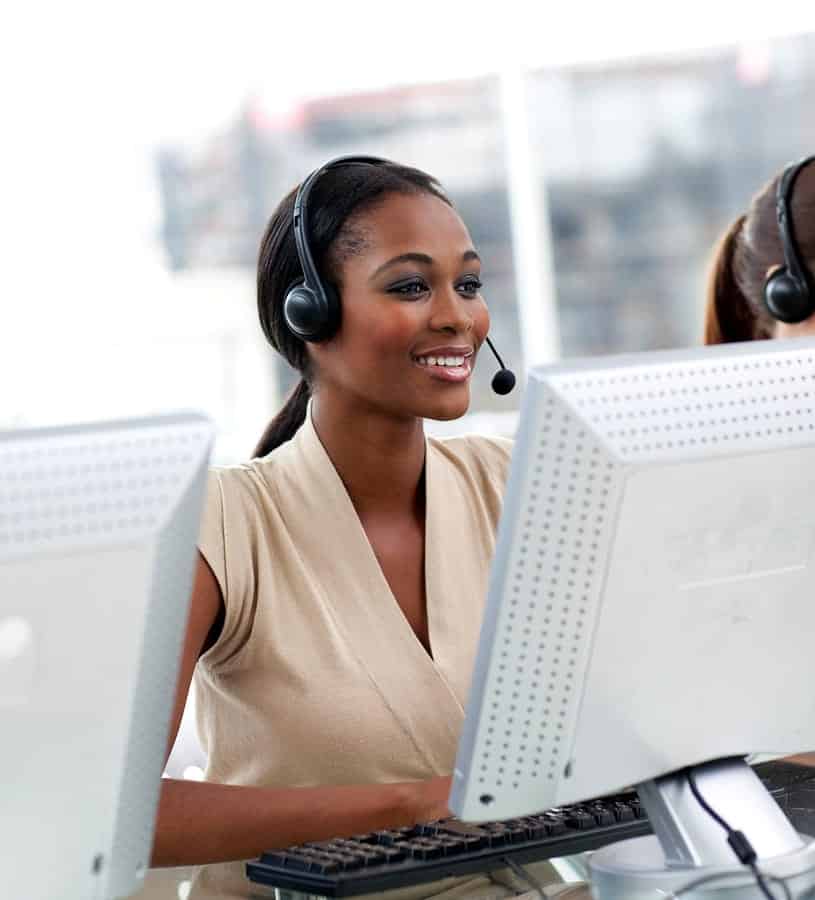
{"points": [[503, 381]]}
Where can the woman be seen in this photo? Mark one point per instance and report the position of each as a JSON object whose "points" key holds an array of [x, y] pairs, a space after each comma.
{"points": [[761, 280], [342, 572]]}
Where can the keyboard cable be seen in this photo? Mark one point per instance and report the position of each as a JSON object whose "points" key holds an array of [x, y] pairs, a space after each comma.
{"points": [[525, 876]]}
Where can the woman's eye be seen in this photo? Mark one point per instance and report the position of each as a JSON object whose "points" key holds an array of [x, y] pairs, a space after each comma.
{"points": [[408, 288], [470, 286]]}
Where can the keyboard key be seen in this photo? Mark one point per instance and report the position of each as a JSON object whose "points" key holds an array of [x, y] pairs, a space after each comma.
{"points": [[273, 858], [554, 824], [602, 814], [580, 819], [298, 861], [393, 854], [325, 866], [417, 848], [623, 812], [469, 836]]}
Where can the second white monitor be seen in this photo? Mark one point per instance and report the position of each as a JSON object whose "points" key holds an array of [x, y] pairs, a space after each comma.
{"points": [[98, 526], [651, 601]]}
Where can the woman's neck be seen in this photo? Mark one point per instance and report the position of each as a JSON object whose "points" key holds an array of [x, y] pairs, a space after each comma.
{"points": [[380, 459]]}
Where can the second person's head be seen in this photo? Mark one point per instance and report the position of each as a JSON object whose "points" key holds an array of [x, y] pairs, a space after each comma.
{"points": [[761, 280]]}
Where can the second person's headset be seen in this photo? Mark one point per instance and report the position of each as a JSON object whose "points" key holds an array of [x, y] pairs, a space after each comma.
{"points": [[312, 309], [789, 292]]}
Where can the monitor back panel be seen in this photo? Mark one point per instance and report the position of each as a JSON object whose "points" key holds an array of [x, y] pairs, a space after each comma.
{"points": [[650, 599], [97, 533]]}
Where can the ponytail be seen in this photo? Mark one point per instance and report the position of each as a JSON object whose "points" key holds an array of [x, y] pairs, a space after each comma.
{"points": [[728, 314], [285, 424]]}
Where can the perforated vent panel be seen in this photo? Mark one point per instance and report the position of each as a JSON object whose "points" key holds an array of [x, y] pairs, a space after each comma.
{"points": [[85, 487], [695, 407], [543, 602]]}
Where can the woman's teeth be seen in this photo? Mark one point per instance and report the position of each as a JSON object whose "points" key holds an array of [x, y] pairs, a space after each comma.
{"points": [[446, 361]]}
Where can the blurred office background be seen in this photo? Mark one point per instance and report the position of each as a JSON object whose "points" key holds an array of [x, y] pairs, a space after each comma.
{"points": [[595, 158], [637, 164], [595, 154]]}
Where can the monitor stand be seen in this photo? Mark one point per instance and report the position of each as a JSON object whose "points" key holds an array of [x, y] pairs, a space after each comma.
{"points": [[688, 844]]}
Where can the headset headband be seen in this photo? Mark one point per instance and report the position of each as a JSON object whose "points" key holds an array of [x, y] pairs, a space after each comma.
{"points": [[786, 227], [300, 218]]}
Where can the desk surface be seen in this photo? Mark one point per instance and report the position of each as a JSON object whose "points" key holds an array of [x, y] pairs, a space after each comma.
{"points": [[226, 881]]}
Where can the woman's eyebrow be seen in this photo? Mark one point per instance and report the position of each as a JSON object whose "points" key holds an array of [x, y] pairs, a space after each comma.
{"points": [[421, 258]]}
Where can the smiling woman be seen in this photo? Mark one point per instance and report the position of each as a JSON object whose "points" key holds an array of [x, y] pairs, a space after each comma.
{"points": [[343, 571], [386, 239]]}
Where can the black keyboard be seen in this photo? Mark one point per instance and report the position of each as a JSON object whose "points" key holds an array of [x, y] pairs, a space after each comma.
{"points": [[384, 860], [793, 789]]}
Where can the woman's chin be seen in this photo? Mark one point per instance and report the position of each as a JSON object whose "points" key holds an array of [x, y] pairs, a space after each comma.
{"points": [[449, 410]]}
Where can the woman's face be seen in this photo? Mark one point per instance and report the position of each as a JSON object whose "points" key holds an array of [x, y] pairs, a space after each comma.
{"points": [[413, 317]]}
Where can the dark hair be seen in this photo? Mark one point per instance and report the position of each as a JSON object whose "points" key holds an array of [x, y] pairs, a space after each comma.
{"points": [[735, 309], [336, 199]]}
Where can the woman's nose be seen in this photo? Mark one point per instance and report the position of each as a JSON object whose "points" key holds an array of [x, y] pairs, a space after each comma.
{"points": [[449, 312]]}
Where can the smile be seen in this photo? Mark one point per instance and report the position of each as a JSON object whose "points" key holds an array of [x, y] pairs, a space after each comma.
{"points": [[444, 361], [455, 367]]}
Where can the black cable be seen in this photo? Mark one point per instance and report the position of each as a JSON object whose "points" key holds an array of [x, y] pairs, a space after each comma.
{"points": [[738, 841], [492, 347], [761, 881], [521, 873]]}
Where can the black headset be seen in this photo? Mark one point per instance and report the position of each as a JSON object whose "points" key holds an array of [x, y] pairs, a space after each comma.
{"points": [[789, 292], [312, 309]]}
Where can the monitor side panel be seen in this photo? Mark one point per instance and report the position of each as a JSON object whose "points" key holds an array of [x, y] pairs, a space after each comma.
{"points": [[151, 703], [542, 606]]}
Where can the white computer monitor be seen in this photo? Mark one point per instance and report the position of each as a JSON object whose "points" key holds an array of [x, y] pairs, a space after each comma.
{"points": [[652, 597], [98, 526]]}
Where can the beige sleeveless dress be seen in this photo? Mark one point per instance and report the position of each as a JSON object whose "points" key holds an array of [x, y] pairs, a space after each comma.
{"points": [[317, 677]]}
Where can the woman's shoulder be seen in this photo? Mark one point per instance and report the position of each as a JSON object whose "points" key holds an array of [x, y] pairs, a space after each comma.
{"points": [[487, 454], [246, 481]]}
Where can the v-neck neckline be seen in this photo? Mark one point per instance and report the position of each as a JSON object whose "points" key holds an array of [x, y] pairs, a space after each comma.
{"points": [[326, 540], [393, 604]]}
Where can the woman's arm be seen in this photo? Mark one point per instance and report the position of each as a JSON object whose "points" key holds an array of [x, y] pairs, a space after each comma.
{"points": [[201, 822], [803, 759]]}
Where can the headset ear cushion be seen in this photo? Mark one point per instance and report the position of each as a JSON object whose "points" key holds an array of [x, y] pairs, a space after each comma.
{"points": [[303, 312], [786, 298]]}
